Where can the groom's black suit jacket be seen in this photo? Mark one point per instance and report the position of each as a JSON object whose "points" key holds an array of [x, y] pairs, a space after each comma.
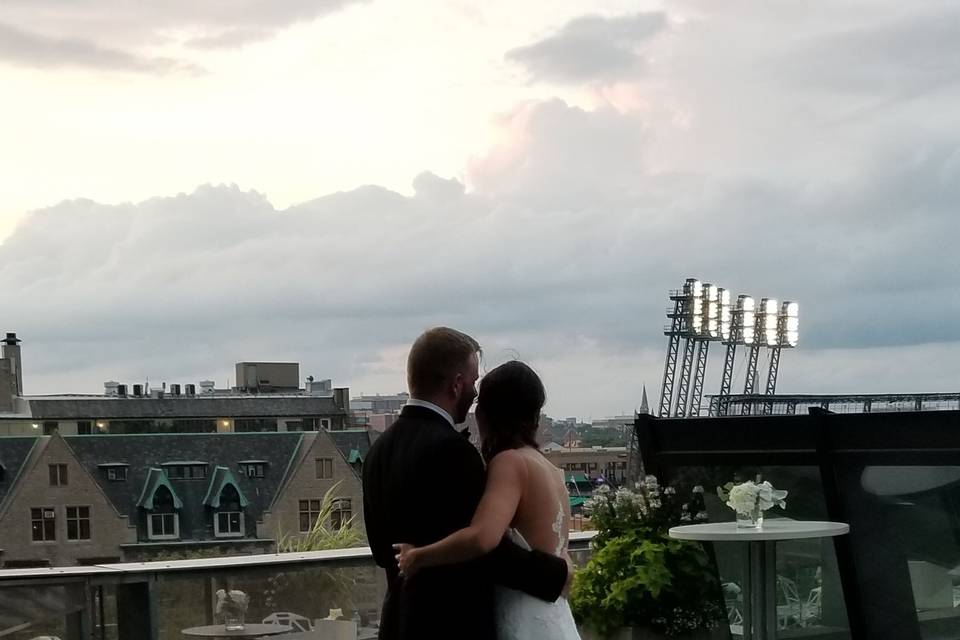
{"points": [[422, 481]]}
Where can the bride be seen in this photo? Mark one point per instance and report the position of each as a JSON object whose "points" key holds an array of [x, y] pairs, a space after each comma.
{"points": [[525, 498]]}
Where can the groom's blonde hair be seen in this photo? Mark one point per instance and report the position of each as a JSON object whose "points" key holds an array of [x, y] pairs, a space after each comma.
{"points": [[435, 357]]}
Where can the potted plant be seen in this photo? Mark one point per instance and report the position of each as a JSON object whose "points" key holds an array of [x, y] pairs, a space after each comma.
{"points": [[639, 583]]}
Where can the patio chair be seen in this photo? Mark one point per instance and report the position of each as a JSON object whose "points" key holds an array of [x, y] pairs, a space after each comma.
{"points": [[295, 620], [812, 608], [790, 613]]}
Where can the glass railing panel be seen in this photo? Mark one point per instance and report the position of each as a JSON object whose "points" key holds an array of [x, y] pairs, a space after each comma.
{"points": [[810, 600], [54, 610], [907, 520]]}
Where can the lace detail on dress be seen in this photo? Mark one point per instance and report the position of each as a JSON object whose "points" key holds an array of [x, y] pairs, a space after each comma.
{"points": [[558, 529]]}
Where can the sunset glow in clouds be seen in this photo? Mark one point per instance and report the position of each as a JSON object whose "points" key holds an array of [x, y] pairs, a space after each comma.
{"points": [[538, 175]]}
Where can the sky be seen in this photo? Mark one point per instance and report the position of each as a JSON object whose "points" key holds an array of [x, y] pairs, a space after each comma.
{"points": [[188, 185]]}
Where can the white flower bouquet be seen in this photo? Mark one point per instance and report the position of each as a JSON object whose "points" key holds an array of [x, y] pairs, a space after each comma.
{"points": [[750, 499]]}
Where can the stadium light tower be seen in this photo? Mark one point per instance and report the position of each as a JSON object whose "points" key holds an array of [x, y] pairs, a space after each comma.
{"points": [[692, 327], [685, 318], [716, 307], [740, 329], [767, 327], [786, 335]]}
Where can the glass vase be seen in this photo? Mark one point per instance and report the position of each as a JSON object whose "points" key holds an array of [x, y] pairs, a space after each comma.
{"points": [[233, 621], [750, 520]]}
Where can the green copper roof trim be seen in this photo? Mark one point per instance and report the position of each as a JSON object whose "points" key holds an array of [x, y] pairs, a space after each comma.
{"points": [[221, 478], [157, 478]]}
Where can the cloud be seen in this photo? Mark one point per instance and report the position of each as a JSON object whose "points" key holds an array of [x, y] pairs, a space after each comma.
{"points": [[901, 56], [181, 287], [34, 50], [560, 242], [591, 48], [113, 35]]}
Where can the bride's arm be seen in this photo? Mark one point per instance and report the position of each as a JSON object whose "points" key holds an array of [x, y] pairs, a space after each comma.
{"points": [[506, 477]]}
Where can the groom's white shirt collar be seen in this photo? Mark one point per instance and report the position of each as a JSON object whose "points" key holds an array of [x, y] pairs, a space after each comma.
{"points": [[416, 402]]}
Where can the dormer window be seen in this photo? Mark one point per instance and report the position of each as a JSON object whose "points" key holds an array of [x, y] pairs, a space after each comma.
{"points": [[228, 519], [114, 471], [161, 506], [253, 468], [163, 522], [186, 470], [226, 503]]}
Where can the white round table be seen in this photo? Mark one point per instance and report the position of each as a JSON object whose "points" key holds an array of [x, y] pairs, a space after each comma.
{"points": [[760, 572]]}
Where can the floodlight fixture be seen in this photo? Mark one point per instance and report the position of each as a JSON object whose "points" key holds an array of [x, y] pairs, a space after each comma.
{"points": [[747, 319], [708, 325], [790, 324], [696, 291], [725, 314], [769, 321]]}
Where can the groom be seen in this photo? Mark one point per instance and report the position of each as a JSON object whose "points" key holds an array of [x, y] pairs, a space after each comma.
{"points": [[421, 482]]}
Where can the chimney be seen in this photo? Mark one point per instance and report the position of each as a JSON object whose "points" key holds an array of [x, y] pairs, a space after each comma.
{"points": [[110, 388], [11, 352], [175, 389], [341, 398], [7, 394], [138, 391], [121, 391]]}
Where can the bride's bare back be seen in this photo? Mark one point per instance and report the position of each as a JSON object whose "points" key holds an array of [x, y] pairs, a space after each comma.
{"points": [[543, 513]]}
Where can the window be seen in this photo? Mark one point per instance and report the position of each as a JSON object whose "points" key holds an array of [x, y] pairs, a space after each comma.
{"points": [[84, 427], [325, 423], [186, 471], [253, 425], [228, 524], [43, 524], [58, 475], [341, 513], [50, 428], [309, 512], [324, 468], [163, 523], [228, 520], [78, 523], [253, 469], [116, 473], [163, 526]]}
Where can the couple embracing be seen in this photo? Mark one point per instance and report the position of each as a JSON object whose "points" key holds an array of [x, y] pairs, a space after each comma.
{"points": [[473, 546]]}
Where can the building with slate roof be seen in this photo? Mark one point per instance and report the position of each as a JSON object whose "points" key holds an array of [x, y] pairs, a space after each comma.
{"points": [[83, 499], [245, 413], [257, 404]]}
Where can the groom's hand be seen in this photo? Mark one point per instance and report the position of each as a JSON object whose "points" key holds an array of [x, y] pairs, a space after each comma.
{"points": [[406, 559]]}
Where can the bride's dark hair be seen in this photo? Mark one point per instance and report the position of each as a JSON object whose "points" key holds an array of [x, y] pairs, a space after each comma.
{"points": [[508, 408]]}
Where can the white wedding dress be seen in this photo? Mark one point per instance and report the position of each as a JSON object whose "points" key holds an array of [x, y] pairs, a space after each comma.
{"points": [[522, 617]]}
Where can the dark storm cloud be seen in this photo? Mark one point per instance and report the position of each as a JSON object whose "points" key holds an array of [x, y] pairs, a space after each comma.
{"points": [[33, 50], [591, 48], [110, 34]]}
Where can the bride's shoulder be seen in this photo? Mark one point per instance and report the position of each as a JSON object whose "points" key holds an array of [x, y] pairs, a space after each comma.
{"points": [[511, 461]]}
